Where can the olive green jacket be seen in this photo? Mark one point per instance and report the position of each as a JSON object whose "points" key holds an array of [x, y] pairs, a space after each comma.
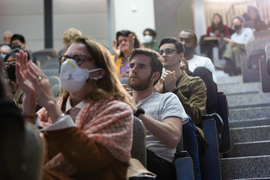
{"points": [[192, 94]]}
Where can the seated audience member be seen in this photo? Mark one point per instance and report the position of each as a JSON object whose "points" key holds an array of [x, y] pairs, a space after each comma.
{"points": [[69, 36], [16, 93], [150, 39], [236, 45], [10, 116], [199, 66], [17, 41], [4, 50], [6, 37], [121, 51], [191, 92], [4, 90], [217, 29], [162, 114], [254, 15], [89, 129]]}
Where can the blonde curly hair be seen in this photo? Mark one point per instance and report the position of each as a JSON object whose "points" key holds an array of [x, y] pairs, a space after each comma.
{"points": [[70, 35]]}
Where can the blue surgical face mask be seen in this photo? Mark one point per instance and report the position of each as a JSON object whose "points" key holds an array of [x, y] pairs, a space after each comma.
{"points": [[3, 56]]}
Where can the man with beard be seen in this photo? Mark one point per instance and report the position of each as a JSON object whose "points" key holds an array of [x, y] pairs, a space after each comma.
{"points": [[162, 114], [236, 45], [199, 66]]}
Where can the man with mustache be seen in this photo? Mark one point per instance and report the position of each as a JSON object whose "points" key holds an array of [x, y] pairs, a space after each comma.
{"points": [[162, 114], [199, 66]]}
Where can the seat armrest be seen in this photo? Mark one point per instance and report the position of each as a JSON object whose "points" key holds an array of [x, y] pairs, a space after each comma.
{"points": [[143, 177], [217, 118]]}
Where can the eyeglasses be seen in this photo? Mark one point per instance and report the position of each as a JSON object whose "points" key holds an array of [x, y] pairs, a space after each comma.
{"points": [[77, 57], [7, 63], [167, 51]]}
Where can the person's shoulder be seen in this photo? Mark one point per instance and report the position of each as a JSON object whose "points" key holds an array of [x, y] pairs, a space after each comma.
{"points": [[193, 81], [169, 97], [247, 30], [113, 102], [110, 105], [193, 78], [162, 96], [201, 58]]}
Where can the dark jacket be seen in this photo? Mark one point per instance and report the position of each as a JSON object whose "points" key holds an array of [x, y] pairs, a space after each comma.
{"points": [[192, 94]]}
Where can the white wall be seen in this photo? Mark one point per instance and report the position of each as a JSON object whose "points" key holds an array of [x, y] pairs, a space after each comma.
{"points": [[198, 18], [138, 20], [26, 18], [89, 16]]}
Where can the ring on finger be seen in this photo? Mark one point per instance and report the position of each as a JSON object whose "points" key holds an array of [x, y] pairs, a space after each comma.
{"points": [[39, 78]]}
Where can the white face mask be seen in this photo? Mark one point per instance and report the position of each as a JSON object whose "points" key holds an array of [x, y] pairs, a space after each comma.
{"points": [[148, 38], [73, 78]]}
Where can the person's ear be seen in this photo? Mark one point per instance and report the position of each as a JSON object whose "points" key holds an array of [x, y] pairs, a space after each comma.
{"points": [[23, 45], [102, 72], [155, 76], [181, 56], [196, 45]]}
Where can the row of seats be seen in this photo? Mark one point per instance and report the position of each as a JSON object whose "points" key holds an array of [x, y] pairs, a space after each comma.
{"points": [[216, 132], [256, 63]]}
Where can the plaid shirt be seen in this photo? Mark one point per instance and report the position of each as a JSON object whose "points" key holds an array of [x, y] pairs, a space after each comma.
{"points": [[107, 122]]}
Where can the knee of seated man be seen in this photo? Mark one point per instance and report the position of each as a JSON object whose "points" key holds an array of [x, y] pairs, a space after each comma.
{"points": [[202, 71], [235, 49]]}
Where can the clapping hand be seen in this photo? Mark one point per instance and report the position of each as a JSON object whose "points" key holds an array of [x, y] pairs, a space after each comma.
{"points": [[184, 65], [116, 49], [131, 39], [169, 80], [159, 86], [34, 84]]}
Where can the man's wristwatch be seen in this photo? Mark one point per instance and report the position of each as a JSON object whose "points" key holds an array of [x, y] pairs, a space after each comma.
{"points": [[139, 111]]}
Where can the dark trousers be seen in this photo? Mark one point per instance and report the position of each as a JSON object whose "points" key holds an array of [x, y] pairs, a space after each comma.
{"points": [[163, 169], [206, 76]]}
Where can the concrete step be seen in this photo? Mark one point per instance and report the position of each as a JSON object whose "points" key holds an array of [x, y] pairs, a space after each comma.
{"points": [[255, 148], [249, 113], [230, 80], [245, 167], [249, 134], [242, 88], [248, 100], [250, 122]]}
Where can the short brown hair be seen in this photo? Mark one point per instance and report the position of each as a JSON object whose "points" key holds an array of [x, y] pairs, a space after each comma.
{"points": [[156, 59]]}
